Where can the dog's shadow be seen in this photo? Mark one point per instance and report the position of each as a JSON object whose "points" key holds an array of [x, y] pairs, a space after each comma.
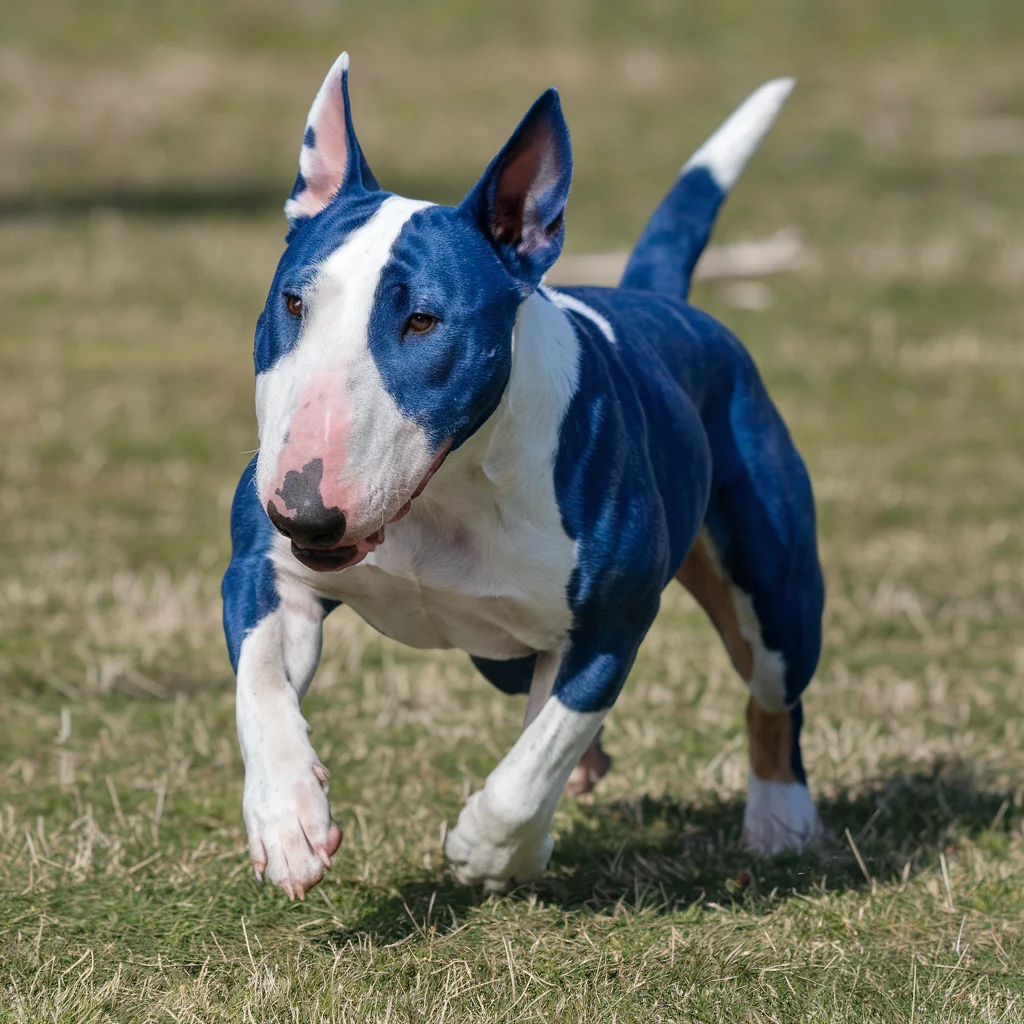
{"points": [[661, 855]]}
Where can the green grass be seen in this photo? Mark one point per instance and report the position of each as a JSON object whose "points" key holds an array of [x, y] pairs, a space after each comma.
{"points": [[147, 150]]}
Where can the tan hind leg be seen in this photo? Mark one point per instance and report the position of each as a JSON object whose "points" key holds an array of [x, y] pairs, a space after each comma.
{"points": [[780, 814], [702, 577], [592, 767], [769, 733]]}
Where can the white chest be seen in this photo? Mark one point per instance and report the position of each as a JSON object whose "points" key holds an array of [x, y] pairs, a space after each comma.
{"points": [[474, 581]]}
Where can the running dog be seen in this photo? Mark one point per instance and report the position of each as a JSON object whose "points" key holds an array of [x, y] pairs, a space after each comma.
{"points": [[468, 458]]}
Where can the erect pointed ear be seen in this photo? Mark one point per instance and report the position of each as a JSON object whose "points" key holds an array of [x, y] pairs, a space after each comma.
{"points": [[330, 159], [520, 200]]}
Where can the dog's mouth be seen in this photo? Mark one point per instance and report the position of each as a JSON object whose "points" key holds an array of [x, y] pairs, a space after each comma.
{"points": [[344, 556], [337, 558]]}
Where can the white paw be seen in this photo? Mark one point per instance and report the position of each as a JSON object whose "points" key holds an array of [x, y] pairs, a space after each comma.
{"points": [[487, 849], [291, 835], [780, 816]]}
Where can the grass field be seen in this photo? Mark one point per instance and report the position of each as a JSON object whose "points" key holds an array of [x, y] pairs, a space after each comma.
{"points": [[147, 149]]}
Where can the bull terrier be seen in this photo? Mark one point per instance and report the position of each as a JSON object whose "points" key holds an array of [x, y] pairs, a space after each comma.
{"points": [[469, 458]]}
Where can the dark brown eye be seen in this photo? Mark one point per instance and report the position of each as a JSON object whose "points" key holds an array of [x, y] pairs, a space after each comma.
{"points": [[293, 304], [420, 323]]}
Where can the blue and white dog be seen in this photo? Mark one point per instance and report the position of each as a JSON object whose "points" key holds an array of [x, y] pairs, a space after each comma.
{"points": [[471, 459]]}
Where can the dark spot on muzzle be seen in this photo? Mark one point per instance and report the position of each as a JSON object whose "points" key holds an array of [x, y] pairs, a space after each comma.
{"points": [[313, 525]]}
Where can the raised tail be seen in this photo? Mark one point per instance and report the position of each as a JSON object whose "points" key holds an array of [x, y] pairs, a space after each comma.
{"points": [[664, 257]]}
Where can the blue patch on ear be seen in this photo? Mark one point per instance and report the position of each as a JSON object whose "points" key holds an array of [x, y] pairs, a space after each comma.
{"points": [[354, 178], [249, 588], [366, 176], [449, 380], [357, 174]]}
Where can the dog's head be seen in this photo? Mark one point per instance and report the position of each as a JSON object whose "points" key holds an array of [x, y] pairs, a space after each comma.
{"points": [[386, 340]]}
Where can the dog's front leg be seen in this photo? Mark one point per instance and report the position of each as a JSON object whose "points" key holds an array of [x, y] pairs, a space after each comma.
{"points": [[503, 833], [287, 817]]}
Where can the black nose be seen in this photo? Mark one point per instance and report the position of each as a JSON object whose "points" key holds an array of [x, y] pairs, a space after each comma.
{"points": [[321, 529]]}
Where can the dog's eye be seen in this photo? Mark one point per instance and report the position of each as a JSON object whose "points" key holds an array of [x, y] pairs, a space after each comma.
{"points": [[420, 323], [293, 304]]}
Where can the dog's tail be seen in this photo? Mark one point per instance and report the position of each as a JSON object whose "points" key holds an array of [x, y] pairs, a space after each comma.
{"points": [[664, 257]]}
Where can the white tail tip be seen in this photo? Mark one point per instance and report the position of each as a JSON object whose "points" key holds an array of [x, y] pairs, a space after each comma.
{"points": [[726, 153]]}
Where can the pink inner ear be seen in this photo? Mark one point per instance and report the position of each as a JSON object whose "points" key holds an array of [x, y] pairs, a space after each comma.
{"points": [[510, 196], [530, 170], [323, 165]]}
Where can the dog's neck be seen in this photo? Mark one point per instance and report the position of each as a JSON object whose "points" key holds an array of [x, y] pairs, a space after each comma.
{"points": [[520, 437]]}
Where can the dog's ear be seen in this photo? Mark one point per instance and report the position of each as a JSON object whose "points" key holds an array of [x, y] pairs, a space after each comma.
{"points": [[520, 200], [330, 159]]}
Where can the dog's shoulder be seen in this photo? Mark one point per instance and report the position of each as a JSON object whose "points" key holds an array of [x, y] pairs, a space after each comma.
{"points": [[632, 468]]}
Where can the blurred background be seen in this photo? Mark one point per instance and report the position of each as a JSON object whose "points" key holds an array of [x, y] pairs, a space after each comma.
{"points": [[146, 150], [148, 147]]}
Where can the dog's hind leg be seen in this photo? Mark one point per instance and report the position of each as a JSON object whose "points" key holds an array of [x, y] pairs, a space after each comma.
{"points": [[591, 768], [780, 813]]}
